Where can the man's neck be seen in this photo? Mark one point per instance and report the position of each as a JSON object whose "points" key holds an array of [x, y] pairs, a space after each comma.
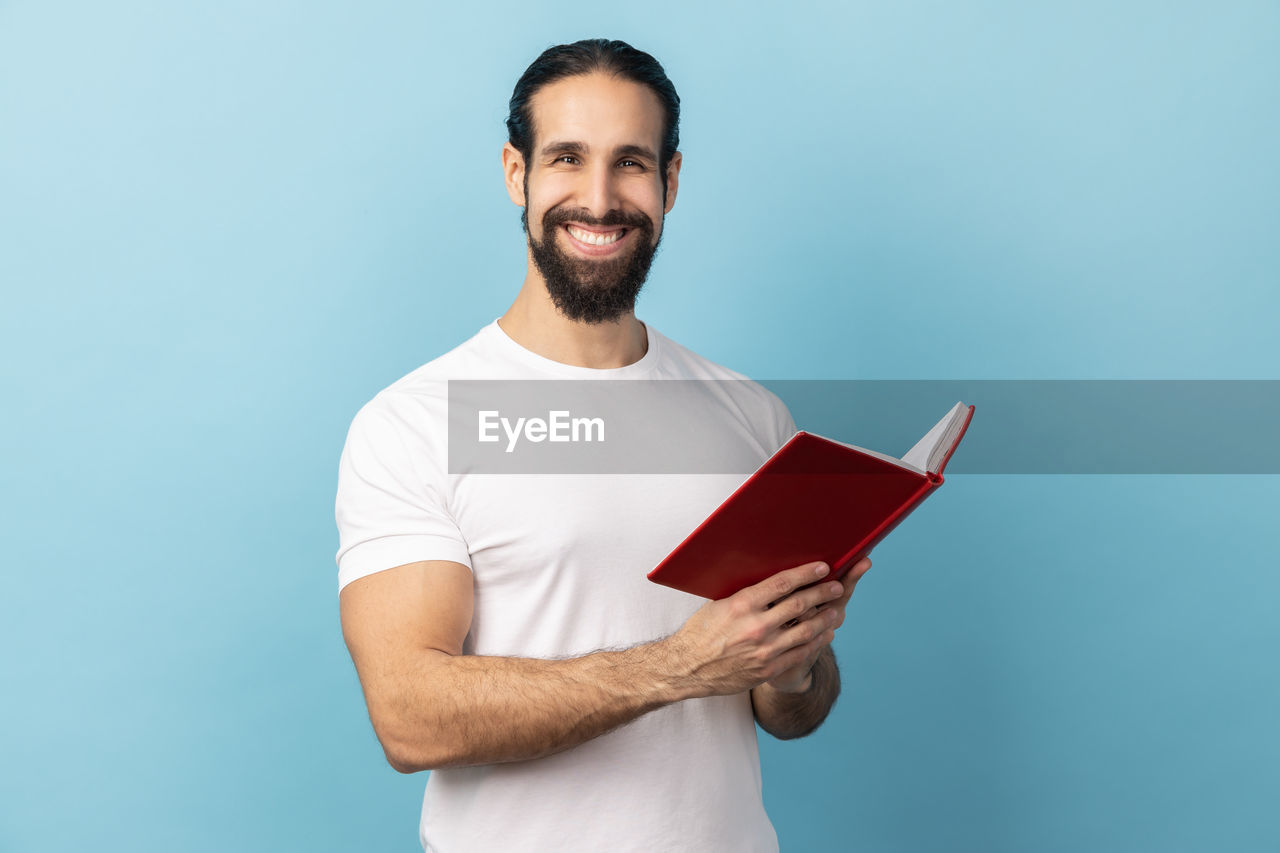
{"points": [[533, 322]]}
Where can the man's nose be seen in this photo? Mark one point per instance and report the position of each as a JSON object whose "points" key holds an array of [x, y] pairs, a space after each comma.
{"points": [[601, 191]]}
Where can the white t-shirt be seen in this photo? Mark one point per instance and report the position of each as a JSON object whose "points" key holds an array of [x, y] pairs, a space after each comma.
{"points": [[559, 565]]}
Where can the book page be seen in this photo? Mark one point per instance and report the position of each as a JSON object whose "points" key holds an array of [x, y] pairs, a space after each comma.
{"points": [[901, 463], [927, 452]]}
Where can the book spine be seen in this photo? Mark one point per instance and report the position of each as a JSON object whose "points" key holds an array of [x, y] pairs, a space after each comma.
{"points": [[863, 548]]}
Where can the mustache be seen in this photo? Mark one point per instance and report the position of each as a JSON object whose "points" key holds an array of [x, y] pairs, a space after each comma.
{"points": [[611, 219]]}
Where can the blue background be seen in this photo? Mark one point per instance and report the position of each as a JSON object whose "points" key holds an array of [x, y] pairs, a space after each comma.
{"points": [[224, 226]]}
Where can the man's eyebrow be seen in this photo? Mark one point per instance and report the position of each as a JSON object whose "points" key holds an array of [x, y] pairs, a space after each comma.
{"points": [[573, 147], [562, 148], [635, 151]]}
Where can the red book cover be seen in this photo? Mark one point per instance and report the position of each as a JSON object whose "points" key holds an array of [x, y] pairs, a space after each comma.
{"points": [[814, 499]]}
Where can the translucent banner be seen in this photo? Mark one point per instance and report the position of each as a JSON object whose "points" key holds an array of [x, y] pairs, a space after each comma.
{"points": [[720, 427]]}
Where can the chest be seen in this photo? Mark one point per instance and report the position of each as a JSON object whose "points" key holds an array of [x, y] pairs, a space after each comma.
{"points": [[560, 562]]}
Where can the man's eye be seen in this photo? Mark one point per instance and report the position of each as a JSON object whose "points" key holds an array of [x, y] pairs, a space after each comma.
{"points": [[636, 163], [566, 158]]}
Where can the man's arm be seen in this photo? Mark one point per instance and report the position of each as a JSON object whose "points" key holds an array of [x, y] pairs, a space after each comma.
{"points": [[432, 706], [796, 702], [787, 715]]}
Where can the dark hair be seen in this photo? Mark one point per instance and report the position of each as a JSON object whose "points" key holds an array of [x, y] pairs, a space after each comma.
{"points": [[585, 57]]}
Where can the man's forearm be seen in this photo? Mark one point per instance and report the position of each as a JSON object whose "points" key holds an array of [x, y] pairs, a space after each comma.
{"points": [[460, 710], [433, 706], [793, 715]]}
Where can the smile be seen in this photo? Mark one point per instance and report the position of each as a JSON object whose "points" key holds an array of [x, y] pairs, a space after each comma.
{"points": [[595, 238]]}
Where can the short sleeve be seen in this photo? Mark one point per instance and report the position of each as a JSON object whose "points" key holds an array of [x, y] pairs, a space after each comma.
{"points": [[389, 506], [784, 425]]}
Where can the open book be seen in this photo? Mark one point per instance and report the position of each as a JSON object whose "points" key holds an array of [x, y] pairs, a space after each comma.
{"points": [[814, 499]]}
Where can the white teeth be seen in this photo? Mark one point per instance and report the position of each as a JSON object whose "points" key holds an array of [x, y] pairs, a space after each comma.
{"points": [[594, 239]]}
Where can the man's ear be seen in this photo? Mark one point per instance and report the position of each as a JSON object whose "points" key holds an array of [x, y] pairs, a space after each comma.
{"points": [[513, 170], [673, 181]]}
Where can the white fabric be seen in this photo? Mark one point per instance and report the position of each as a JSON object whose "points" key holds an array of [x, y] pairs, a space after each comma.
{"points": [[559, 565]]}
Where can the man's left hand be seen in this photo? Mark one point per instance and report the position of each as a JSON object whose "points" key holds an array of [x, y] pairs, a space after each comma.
{"points": [[798, 678]]}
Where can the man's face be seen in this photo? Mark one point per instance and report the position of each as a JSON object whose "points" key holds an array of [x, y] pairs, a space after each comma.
{"points": [[593, 193]]}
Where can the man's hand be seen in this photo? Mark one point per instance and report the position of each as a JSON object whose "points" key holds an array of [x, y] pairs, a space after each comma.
{"points": [[773, 630], [798, 678]]}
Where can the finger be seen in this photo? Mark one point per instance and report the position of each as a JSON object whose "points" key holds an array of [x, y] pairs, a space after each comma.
{"points": [[849, 584], [779, 586], [817, 608], [813, 648], [804, 632], [850, 581], [852, 576], [793, 608], [805, 652], [808, 614]]}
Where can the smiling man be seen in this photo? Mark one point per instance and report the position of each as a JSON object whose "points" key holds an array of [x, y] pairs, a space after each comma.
{"points": [[502, 627]]}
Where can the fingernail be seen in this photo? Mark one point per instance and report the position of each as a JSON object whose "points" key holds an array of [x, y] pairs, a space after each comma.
{"points": [[821, 569]]}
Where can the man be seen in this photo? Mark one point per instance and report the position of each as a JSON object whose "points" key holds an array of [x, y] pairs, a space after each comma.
{"points": [[502, 627]]}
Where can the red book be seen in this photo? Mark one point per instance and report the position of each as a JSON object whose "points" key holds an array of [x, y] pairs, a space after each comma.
{"points": [[814, 499]]}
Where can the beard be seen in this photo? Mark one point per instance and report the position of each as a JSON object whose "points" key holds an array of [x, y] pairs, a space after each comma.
{"points": [[593, 290]]}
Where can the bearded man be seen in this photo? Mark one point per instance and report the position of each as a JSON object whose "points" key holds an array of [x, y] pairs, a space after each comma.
{"points": [[502, 627]]}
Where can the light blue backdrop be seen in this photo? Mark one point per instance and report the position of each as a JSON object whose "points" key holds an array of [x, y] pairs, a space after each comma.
{"points": [[224, 226]]}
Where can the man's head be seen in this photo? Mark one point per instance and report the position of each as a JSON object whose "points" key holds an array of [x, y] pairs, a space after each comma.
{"points": [[592, 157]]}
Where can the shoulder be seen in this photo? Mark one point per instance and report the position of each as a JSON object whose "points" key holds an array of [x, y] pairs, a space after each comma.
{"points": [[405, 424], [474, 358], [687, 364], [758, 403], [422, 394]]}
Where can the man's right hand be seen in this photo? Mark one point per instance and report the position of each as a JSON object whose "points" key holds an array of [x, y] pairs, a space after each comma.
{"points": [[433, 706], [734, 644]]}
